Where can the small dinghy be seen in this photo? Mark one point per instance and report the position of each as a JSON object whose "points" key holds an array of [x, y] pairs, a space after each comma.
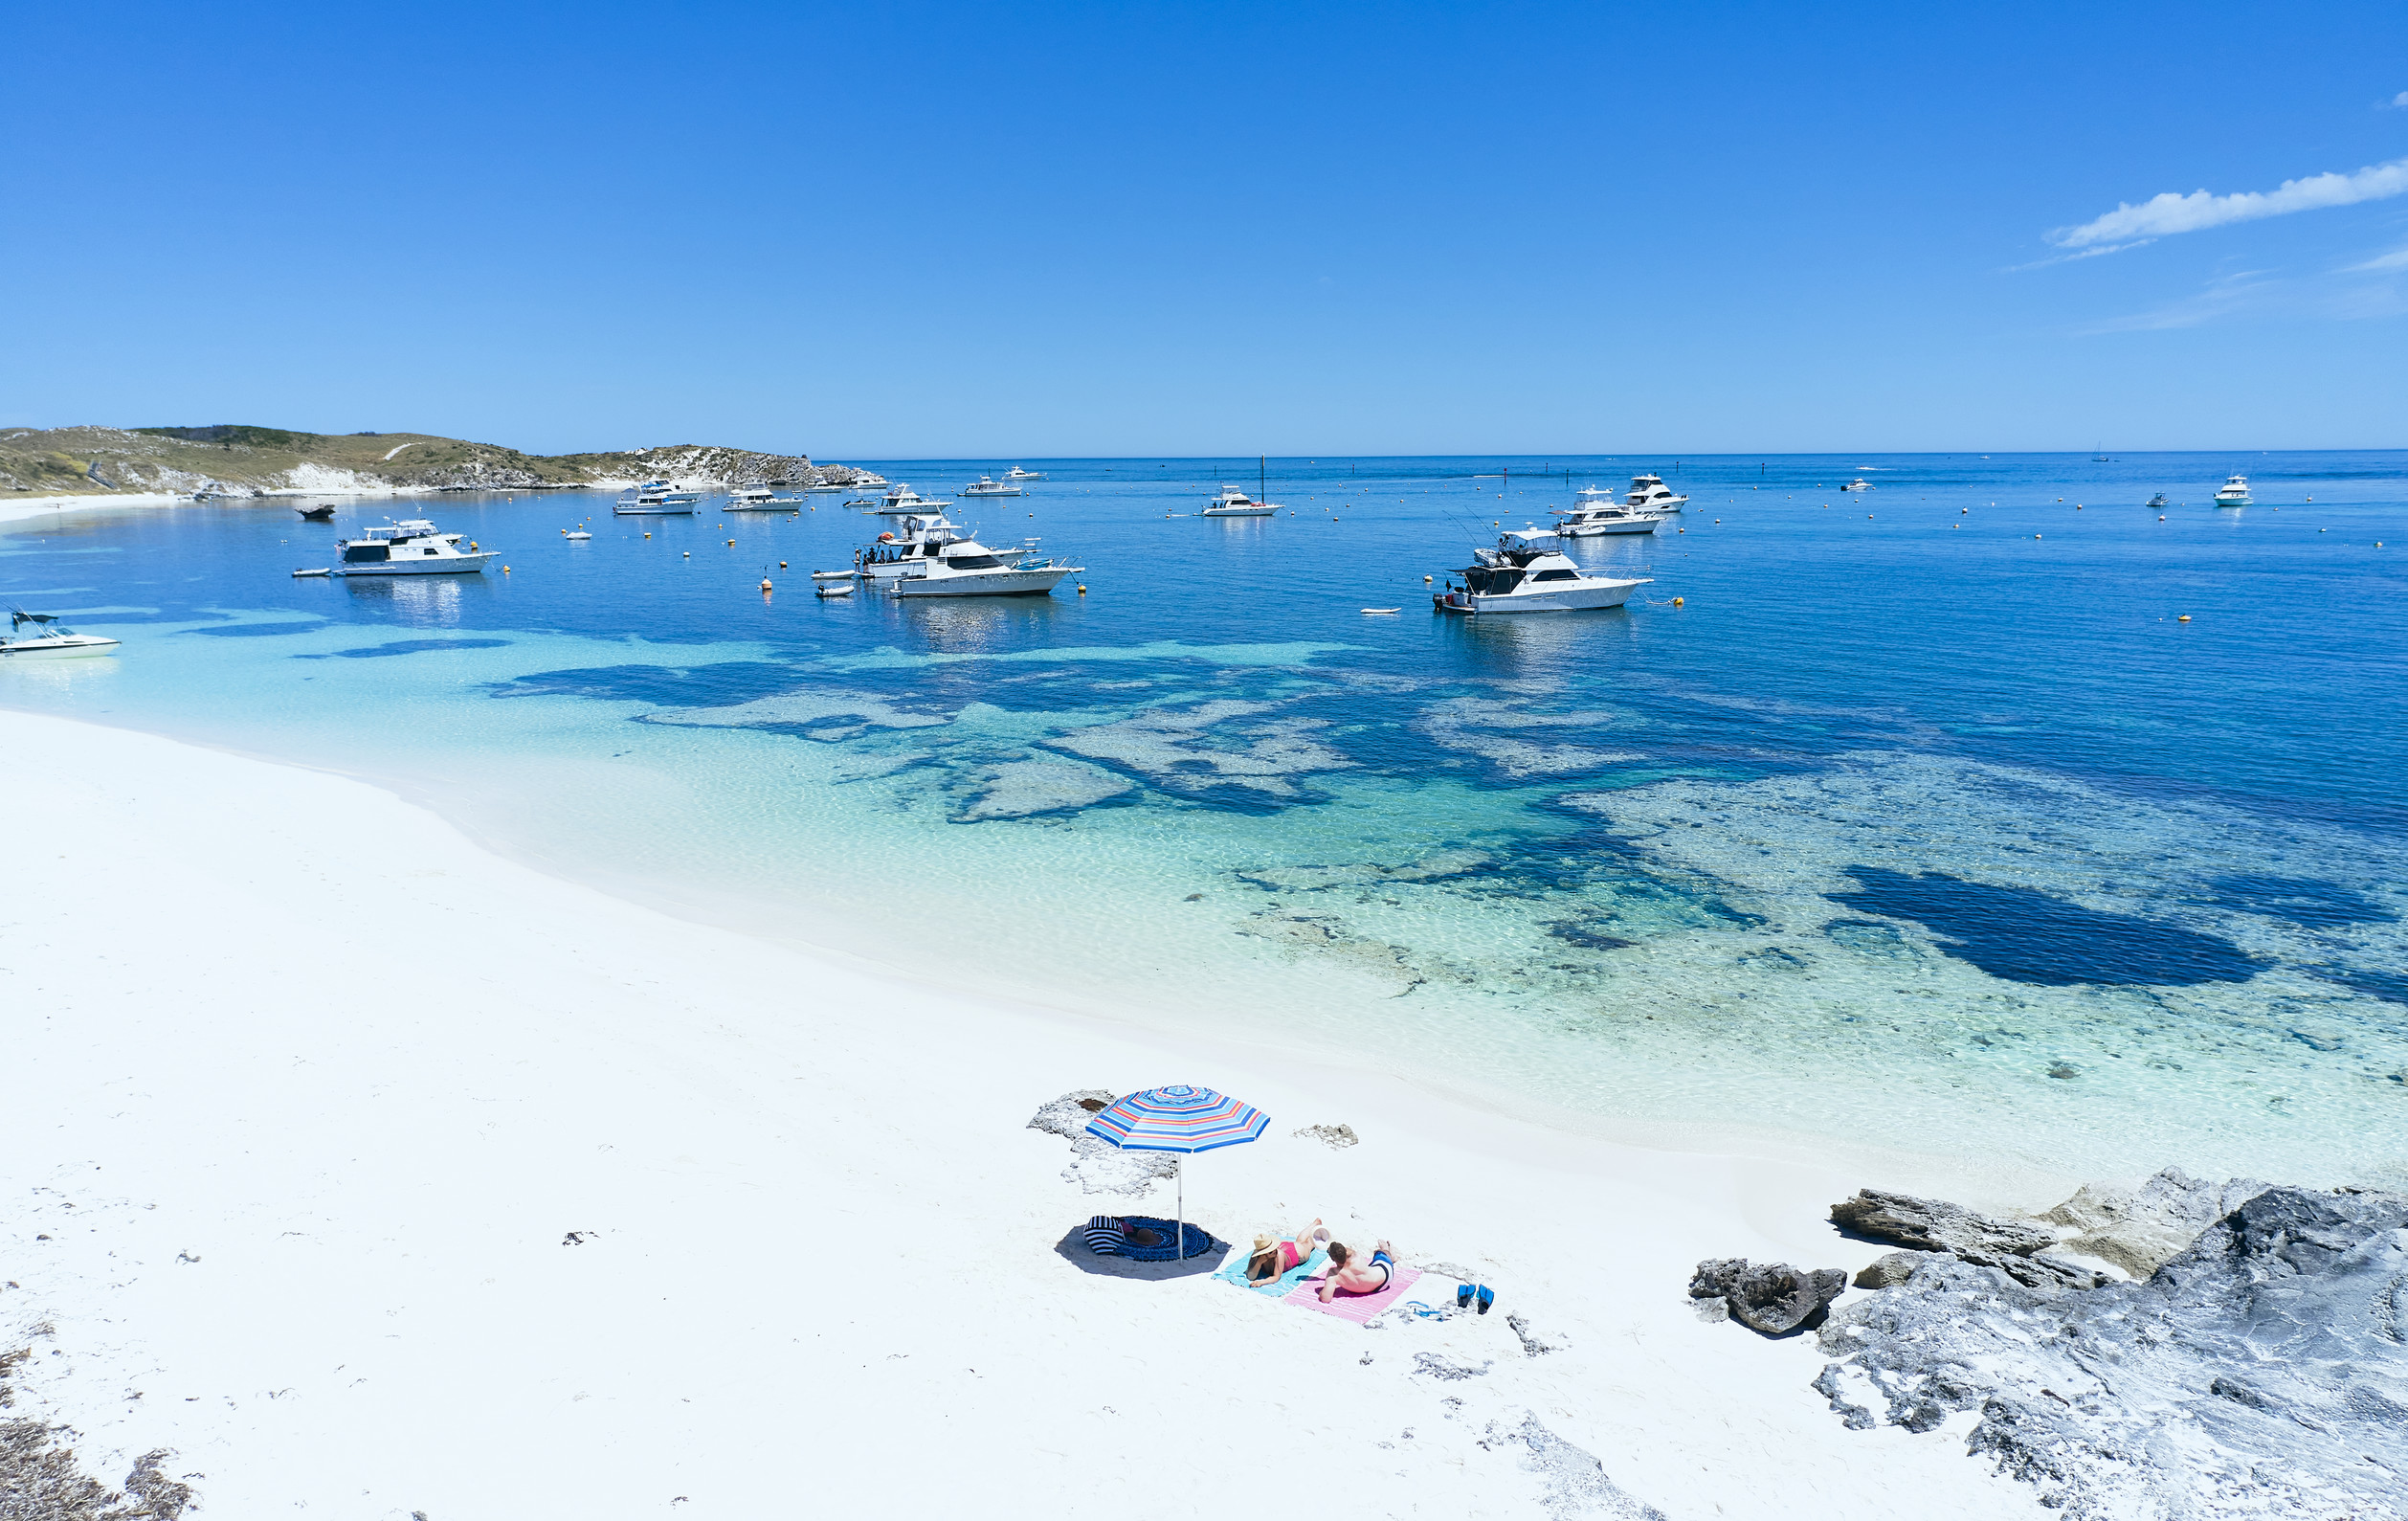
{"points": [[834, 589], [574, 538], [1381, 612], [323, 569], [832, 575]]}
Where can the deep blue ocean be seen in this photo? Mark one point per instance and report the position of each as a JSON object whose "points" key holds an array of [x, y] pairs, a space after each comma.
{"points": [[1921, 819]]}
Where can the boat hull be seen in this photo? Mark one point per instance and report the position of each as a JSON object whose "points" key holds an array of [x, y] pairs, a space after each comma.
{"points": [[985, 583], [1599, 530], [1238, 512], [77, 647], [433, 565], [2232, 501], [664, 510], [1582, 598]]}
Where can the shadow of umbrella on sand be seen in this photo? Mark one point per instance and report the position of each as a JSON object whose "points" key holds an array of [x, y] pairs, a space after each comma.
{"points": [[1179, 1119]]}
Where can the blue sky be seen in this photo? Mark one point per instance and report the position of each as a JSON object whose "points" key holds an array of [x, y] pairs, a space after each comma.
{"points": [[996, 229]]}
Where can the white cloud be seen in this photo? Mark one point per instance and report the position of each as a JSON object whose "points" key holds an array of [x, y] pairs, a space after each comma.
{"points": [[2396, 259], [2400, 100], [2161, 216], [2221, 297]]}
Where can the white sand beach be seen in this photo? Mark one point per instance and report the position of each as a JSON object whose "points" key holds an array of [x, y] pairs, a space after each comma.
{"points": [[376, 1175]]}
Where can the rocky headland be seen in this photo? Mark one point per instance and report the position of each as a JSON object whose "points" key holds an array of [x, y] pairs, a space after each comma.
{"points": [[239, 460]]}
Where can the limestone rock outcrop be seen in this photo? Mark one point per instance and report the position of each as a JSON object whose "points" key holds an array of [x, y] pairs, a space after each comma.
{"points": [[2262, 1372], [1936, 1225]]}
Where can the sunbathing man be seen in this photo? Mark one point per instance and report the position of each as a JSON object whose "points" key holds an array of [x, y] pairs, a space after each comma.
{"points": [[1273, 1257], [1368, 1279]]}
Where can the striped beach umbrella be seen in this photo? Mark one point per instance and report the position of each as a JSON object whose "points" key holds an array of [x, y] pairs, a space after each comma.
{"points": [[1180, 1119]]}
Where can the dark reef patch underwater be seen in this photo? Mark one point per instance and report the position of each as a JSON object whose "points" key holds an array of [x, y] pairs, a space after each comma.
{"points": [[2028, 936]]}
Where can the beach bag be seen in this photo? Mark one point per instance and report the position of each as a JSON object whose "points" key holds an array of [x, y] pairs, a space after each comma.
{"points": [[1107, 1236]]}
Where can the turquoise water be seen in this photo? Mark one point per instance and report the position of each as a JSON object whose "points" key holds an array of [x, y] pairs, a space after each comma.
{"points": [[1921, 821]]}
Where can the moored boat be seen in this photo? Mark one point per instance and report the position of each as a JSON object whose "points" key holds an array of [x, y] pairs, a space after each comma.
{"points": [[987, 486], [50, 640], [409, 546], [1232, 503], [1595, 512], [966, 568], [1649, 494], [2234, 492], [656, 498], [1526, 573]]}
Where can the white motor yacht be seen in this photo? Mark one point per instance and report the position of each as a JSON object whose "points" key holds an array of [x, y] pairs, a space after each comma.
{"points": [[1015, 472], [50, 640], [827, 485], [988, 487], [966, 568], [655, 497], [761, 499], [2236, 492], [916, 537], [1233, 502], [409, 546], [1860, 483], [1649, 494], [1596, 512], [1526, 573], [901, 497]]}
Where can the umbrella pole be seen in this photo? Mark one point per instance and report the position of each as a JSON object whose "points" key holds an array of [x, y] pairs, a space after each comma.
{"points": [[1179, 1171]]}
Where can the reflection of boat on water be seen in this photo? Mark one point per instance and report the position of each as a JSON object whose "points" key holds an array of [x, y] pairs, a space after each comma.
{"points": [[2234, 493], [50, 640], [966, 568], [411, 546], [1526, 573]]}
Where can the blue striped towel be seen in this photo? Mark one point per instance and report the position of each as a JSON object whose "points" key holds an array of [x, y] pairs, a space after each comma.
{"points": [[1236, 1273]]}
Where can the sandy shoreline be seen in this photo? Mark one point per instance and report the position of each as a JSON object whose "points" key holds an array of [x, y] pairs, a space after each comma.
{"points": [[311, 1091]]}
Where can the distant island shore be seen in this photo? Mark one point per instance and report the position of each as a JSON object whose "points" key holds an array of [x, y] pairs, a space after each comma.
{"points": [[239, 460]]}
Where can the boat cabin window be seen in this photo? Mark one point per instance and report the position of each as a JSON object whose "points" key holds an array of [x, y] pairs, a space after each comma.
{"points": [[975, 562], [1556, 575], [1492, 582]]}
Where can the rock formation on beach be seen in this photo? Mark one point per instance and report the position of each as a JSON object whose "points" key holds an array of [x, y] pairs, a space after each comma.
{"points": [[239, 460], [1773, 1298], [1934, 1225], [2260, 1369]]}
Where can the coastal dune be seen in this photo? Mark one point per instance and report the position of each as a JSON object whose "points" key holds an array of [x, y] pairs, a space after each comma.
{"points": [[351, 1167]]}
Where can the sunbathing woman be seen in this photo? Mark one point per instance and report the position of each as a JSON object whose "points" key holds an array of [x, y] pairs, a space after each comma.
{"points": [[1273, 1257], [1368, 1279]]}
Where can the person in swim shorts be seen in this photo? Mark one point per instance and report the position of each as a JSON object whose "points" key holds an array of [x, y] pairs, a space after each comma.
{"points": [[1357, 1278]]}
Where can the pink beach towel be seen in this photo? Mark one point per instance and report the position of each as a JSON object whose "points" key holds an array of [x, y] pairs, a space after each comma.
{"points": [[1356, 1308]]}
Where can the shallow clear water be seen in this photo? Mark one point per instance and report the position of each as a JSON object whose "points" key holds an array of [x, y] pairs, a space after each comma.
{"points": [[1923, 822]]}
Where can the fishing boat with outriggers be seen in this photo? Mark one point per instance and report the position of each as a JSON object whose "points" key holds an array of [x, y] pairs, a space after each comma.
{"points": [[50, 640], [1526, 573], [411, 546]]}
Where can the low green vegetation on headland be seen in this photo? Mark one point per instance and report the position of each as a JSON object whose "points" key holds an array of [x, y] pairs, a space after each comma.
{"points": [[240, 460]]}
